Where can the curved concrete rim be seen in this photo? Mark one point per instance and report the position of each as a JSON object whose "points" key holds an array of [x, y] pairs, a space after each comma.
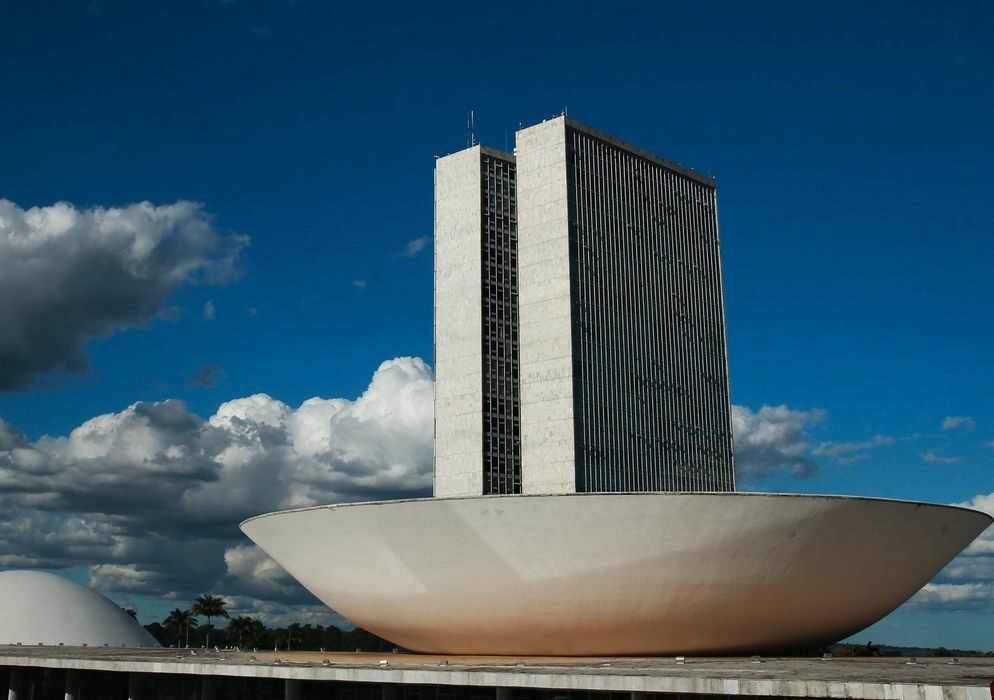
{"points": [[728, 494]]}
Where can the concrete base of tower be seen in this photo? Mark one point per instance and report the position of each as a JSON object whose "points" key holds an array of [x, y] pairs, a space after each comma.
{"points": [[616, 574]]}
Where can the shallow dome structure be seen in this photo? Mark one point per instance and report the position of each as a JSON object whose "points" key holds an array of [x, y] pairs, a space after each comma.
{"points": [[616, 574], [37, 607]]}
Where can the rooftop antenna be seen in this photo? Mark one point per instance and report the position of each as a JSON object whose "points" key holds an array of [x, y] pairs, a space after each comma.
{"points": [[470, 130]]}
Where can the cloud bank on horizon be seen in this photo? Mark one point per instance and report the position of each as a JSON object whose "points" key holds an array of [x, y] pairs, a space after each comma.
{"points": [[147, 500], [70, 275]]}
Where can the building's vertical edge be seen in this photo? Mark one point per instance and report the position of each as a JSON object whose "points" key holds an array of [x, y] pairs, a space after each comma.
{"points": [[548, 456], [434, 322], [458, 463], [724, 340], [576, 312]]}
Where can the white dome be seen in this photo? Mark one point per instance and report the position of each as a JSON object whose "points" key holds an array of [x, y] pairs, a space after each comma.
{"points": [[38, 607]]}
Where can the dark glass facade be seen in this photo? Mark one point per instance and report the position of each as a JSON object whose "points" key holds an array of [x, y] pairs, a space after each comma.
{"points": [[650, 379], [501, 400]]}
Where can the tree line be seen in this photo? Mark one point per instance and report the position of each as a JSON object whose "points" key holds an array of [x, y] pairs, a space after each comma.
{"points": [[182, 628]]}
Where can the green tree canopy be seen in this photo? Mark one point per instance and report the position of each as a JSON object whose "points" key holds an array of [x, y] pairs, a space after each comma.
{"points": [[181, 621], [210, 606], [246, 631]]}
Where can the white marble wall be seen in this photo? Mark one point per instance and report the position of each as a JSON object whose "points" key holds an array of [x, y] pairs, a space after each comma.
{"points": [[547, 437], [458, 326]]}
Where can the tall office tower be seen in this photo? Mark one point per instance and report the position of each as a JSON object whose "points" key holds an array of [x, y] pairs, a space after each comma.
{"points": [[624, 380], [477, 423], [619, 379]]}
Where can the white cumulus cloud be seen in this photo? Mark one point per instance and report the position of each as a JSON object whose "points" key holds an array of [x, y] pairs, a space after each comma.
{"points": [[954, 422], [148, 500], [771, 440], [415, 246], [955, 596], [258, 575], [851, 452], [70, 275], [932, 458]]}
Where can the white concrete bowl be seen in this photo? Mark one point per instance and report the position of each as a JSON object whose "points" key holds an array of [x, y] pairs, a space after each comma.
{"points": [[616, 574]]}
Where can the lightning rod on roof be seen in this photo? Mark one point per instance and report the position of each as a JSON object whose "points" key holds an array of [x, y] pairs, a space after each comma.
{"points": [[470, 129]]}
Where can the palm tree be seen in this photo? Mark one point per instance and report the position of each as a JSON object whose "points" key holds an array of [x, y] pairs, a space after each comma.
{"points": [[210, 606], [182, 621], [246, 629]]}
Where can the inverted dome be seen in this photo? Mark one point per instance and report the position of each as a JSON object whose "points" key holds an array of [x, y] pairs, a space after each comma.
{"points": [[41, 608], [616, 574]]}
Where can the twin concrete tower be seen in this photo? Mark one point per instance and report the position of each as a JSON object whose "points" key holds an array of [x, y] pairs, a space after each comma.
{"points": [[579, 320]]}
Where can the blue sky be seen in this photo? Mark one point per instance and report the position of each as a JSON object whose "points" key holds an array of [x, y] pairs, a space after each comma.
{"points": [[851, 143]]}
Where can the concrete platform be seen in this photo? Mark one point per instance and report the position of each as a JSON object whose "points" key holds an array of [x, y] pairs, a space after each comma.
{"points": [[870, 678]]}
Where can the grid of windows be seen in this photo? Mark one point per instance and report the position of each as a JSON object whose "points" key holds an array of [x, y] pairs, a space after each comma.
{"points": [[650, 372], [501, 402]]}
